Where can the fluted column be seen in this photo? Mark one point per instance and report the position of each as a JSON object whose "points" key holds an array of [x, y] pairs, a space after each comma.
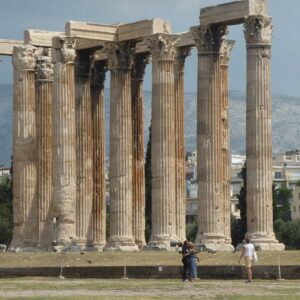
{"points": [[98, 123], [163, 141], [44, 83], [120, 158], [258, 35], [138, 160], [226, 47], [84, 150], [180, 191], [64, 140], [209, 136], [25, 210]]}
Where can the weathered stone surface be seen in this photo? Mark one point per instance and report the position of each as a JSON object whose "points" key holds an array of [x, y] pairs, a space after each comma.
{"points": [[120, 63], [162, 48], [91, 31], [142, 29], [233, 12], [225, 50], [44, 83], [25, 203], [64, 141], [138, 164], [258, 33], [6, 46], [98, 71], [185, 39], [180, 190], [209, 136], [40, 38], [84, 150]]}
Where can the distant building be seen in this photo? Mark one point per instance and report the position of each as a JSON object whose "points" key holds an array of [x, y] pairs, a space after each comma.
{"points": [[286, 171], [4, 172]]}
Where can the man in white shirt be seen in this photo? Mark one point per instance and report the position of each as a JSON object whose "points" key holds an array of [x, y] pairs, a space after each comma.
{"points": [[248, 252]]}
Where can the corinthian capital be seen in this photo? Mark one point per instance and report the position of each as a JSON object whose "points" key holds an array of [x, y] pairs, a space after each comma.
{"points": [[209, 38], [162, 46], [225, 50], [139, 65], [258, 30], [24, 57], [120, 55], [63, 49], [181, 54], [44, 68]]}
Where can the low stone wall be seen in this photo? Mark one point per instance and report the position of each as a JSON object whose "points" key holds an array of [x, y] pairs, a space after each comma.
{"points": [[163, 272]]}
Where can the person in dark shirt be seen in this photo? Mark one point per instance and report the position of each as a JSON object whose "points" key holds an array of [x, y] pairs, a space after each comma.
{"points": [[185, 260]]}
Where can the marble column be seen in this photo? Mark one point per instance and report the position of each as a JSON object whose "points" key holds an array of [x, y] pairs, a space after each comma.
{"points": [[258, 35], [120, 159], [44, 83], [226, 48], [25, 234], [180, 190], [84, 150], [64, 141], [209, 136], [163, 51], [138, 159], [98, 71]]}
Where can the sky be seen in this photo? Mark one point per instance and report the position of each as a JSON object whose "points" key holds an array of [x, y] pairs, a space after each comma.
{"points": [[17, 15]]}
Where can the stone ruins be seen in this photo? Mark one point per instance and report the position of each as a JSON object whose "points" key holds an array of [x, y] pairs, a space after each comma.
{"points": [[59, 138]]}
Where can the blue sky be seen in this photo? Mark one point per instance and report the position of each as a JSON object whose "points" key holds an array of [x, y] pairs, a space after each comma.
{"points": [[17, 15]]}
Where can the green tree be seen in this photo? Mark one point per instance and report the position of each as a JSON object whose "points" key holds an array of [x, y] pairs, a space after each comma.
{"points": [[191, 230], [239, 226], [6, 214], [148, 187], [275, 206], [282, 199], [288, 233]]}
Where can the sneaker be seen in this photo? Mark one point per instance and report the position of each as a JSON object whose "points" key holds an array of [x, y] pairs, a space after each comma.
{"points": [[248, 281]]}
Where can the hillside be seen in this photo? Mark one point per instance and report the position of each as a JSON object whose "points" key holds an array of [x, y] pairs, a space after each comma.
{"points": [[286, 126]]}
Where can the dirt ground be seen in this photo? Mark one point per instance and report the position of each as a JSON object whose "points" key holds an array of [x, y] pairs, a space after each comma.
{"points": [[36, 288]]}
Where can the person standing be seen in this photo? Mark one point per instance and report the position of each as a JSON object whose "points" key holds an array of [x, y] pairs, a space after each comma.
{"points": [[185, 260], [248, 252], [192, 262]]}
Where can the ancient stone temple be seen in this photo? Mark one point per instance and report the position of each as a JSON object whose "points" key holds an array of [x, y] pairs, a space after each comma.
{"points": [[59, 168]]}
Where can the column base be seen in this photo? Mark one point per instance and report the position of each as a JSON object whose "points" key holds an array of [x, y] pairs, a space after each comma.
{"points": [[121, 244], [162, 243], [140, 243], [213, 243], [265, 242]]}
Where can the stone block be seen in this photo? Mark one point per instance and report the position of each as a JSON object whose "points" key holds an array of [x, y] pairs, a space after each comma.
{"points": [[91, 31], [40, 38], [142, 29], [232, 12], [6, 46], [185, 40]]}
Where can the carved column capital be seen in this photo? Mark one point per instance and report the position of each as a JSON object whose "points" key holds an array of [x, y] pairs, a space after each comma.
{"points": [[24, 57], [63, 50], [162, 46], [258, 30], [226, 47], [120, 55], [44, 68], [139, 65], [98, 73], [181, 54], [209, 38]]}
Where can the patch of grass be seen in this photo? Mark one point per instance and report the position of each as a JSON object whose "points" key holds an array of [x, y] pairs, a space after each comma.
{"points": [[143, 258]]}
